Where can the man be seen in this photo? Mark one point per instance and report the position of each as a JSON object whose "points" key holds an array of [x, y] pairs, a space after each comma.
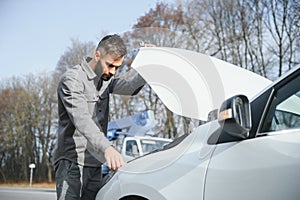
{"points": [[83, 106]]}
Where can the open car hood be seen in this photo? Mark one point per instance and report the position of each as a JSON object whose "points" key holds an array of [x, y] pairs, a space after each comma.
{"points": [[192, 84]]}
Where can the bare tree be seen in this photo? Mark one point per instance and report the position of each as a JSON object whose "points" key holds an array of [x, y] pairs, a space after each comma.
{"points": [[277, 22], [74, 55], [160, 26]]}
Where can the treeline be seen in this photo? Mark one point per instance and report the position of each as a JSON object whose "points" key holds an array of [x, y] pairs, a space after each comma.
{"points": [[259, 35], [27, 123]]}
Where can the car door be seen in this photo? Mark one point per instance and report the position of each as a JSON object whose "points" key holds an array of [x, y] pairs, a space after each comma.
{"points": [[268, 165]]}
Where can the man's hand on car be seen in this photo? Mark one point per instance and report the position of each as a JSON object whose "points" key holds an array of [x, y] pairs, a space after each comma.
{"points": [[114, 159]]}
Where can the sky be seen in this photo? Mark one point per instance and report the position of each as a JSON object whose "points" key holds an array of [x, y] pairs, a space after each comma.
{"points": [[35, 33]]}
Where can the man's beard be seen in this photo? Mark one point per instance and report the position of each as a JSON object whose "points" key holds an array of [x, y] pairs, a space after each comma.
{"points": [[99, 72], [106, 77]]}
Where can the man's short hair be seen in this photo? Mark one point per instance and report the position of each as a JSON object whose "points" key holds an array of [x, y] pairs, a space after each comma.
{"points": [[112, 44]]}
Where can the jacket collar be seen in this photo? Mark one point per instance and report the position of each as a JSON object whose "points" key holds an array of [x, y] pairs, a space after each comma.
{"points": [[86, 67]]}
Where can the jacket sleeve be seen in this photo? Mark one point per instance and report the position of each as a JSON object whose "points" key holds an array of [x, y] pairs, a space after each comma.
{"points": [[70, 90], [127, 87]]}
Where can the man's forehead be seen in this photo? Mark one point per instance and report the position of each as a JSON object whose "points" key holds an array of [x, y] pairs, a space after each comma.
{"points": [[111, 57]]}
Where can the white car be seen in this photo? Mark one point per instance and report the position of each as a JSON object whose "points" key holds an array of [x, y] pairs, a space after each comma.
{"points": [[247, 150]]}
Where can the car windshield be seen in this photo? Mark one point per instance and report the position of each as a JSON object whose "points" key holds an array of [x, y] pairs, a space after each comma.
{"points": [[151, 145], [291, 104], [284, 112]]}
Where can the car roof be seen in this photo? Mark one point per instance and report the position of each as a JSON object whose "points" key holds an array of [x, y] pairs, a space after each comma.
{"points": [[192, 84]]}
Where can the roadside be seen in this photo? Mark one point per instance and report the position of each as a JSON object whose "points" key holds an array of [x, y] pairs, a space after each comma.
{"points": [[26, 185], [22, 192]]}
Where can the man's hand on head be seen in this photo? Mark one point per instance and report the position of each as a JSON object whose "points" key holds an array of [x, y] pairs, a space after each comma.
{"points": [[114, 159]]}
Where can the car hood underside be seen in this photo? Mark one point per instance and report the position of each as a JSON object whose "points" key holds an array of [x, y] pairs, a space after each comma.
{"points": [[192, 84]]}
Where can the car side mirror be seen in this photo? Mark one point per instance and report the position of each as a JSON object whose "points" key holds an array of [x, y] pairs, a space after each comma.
{"points": [[235, 116]]}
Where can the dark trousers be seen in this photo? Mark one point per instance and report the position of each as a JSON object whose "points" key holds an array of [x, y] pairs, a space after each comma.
{"points": [[78, 182]]}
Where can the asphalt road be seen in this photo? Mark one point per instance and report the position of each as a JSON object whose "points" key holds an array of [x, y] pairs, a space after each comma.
{"points": [[7, 193]]}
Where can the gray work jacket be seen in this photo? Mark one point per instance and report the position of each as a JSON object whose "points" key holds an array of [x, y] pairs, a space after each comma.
{"points": [[83, 114]]}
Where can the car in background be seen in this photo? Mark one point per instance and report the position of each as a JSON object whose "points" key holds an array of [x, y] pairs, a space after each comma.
{"points": [[136, 146], [248, 149]]}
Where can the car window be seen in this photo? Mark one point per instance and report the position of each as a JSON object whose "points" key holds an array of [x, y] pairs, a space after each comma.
{"points": [[130, 145], [284, 110], [152, 145]]}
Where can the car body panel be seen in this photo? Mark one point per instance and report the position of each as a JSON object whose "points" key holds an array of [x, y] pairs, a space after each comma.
{"points": [[175, 74], [176, 165], [261, 168]]}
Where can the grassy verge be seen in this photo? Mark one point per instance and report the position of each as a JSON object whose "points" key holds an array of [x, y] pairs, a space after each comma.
{"points": [[26, 185]]}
